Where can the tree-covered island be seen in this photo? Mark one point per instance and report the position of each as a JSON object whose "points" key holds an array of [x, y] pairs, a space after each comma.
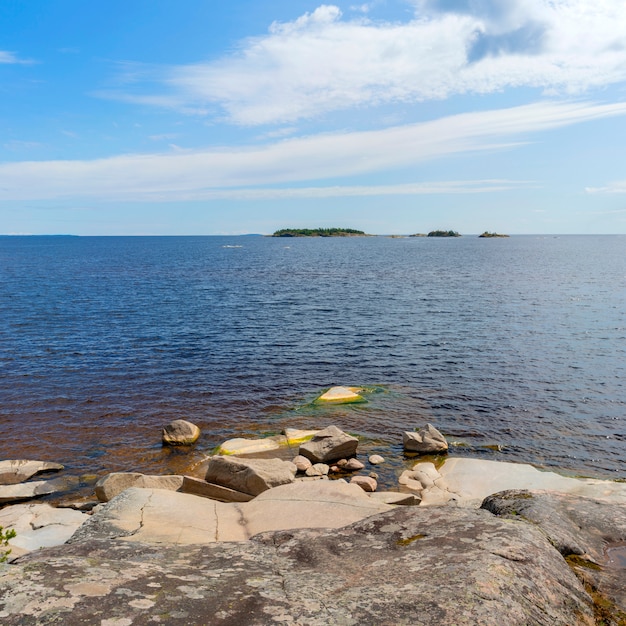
{"points": [[443, 233], [487, 234], [318, 232]]}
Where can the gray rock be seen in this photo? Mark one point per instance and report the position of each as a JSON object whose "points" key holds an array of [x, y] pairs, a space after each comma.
{"points": [[408, 566], [112, 484], [13, 472], [427, 440], [329, 444], [252, 476], [180, 433], [583, 530]]}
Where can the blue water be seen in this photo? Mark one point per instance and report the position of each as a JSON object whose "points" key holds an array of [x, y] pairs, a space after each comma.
{"points": [[514, 348]]}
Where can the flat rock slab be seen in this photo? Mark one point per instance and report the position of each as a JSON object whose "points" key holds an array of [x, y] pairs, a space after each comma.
{"points": [[33, 489], [157, 516], [39, 526], [342, 395], [407, 566], [468, 481], [18, 471]]}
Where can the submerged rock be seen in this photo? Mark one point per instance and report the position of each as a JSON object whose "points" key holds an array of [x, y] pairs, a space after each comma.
{"points": [[342, 395]]}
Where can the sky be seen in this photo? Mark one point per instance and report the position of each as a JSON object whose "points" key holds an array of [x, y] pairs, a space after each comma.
{"points": [[204, 117]]}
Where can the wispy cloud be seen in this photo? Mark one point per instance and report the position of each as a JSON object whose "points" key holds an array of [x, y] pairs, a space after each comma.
{"points": [[323, 157], [323, 62], [616, 187], [10, 58]]}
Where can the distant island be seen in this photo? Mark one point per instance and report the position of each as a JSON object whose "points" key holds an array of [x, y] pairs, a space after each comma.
{"points": [[443, 233], [488, 234], [318, 232]]}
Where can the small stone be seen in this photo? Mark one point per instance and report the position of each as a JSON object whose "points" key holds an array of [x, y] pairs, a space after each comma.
{"points": [[302, 463], [353, 465], [334, 469], [376, 459], [180, 433], [365, 482], [341, 463], [318, 469]]}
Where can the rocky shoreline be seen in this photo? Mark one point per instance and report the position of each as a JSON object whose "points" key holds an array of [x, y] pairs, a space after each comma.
{"points": [[255, 538]]}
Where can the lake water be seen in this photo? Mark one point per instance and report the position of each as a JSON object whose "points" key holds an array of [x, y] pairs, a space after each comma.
{"points": [[514, 348]]}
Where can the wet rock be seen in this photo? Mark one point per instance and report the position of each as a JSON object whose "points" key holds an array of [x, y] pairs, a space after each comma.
{"points": [[241, 447], [427, 440], [18, 471], [180, 433], [252, 476], [342, 395], [329, 444], [376, 459], [112, 484]]}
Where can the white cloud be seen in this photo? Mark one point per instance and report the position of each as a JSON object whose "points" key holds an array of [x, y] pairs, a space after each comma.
{"points": [[10, 58], [193, 174], [613, 188], [322, 62]]}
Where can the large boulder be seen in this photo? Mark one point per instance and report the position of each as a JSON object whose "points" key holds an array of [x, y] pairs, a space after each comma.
{"points": [[180, 433], [426, 440], [112, 484], [329, 444], [442, 565], [252, 476], [17, 471]]}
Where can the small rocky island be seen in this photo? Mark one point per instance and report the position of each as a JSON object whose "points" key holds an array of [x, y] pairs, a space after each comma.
{"points": [[487, 235], [443, 233], [318, 232]]}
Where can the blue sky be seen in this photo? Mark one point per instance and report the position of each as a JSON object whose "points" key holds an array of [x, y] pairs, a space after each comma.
{"points": [[391, 116]]}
